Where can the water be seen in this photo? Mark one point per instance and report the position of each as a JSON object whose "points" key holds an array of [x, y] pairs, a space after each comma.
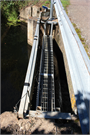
{"points": [[15, 54]]}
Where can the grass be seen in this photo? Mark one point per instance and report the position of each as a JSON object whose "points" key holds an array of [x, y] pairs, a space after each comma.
{"points": [[82, 39], [35, 2], [46, 3], [65, 4]]}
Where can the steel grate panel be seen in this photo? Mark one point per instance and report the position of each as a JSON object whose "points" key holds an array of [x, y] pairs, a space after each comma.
{"points": [[46, 90]]}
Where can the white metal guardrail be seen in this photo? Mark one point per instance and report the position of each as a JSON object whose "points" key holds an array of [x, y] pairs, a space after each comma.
{"points": [[29, 75], [79, 65], [84, 54]]}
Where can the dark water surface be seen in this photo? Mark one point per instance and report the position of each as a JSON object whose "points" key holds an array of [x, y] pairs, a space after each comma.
{"points": [[15, 54]]}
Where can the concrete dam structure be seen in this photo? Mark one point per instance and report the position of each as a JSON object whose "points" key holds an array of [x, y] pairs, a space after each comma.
{"points": [[44, 31]]}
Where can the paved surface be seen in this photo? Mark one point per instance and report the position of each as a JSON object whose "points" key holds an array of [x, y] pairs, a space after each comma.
{"points": [[79, 12]]}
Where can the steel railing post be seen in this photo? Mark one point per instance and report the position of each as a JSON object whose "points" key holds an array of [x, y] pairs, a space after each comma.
{"points": [[51, 10]]}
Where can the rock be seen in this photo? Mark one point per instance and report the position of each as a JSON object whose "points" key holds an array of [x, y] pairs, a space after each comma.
{"points": [[8, 118], [38, 107]]}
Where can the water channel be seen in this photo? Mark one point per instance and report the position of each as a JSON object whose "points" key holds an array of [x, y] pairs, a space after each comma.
{"points": [[15, 53]]}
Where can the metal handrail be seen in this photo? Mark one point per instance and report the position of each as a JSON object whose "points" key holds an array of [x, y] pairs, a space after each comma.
{"points": [[84, 54], [29, 75]]}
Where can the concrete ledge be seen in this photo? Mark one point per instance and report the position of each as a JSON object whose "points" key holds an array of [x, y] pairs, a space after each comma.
{"points": [[52, 115], [31, 11]]}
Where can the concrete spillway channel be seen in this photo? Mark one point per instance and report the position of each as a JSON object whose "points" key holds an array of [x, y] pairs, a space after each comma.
{"points": [[46, 107], [46, 89], [78, 64]]}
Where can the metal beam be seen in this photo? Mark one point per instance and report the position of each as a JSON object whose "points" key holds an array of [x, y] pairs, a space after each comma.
{"points": [[51, 10], [84, 54], [29, 75]]}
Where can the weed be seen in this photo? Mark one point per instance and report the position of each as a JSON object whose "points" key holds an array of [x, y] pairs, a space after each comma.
{"points": [[82, 39], [65, 4], [83, 43], [86, 48], [10, 12], [47, 2], [35, 2], [74, 25], [79, 35], [78, 31]]}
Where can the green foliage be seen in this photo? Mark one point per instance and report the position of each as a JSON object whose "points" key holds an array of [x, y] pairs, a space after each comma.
{"points": [[74, 25], [9, 11], [78, 30], [36, 1], [47, 2]]}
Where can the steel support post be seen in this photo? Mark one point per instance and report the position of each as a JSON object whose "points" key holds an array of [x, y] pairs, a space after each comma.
{"points": [[51, 10]]}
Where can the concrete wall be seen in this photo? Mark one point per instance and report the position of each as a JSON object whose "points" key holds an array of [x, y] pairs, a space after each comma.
{"points": [[25, 13], [31, 28], [31, 11], [58, 38], [29, 15], [35, 11]]}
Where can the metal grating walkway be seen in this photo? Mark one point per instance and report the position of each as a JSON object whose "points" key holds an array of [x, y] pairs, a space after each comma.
{"points": [[46, 90]]}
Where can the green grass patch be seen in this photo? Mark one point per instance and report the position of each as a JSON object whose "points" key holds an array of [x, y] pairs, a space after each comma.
{"points": [[35, 2], [65, 4], [47, 2], [78, 31], [74, 25], [82, 39]]}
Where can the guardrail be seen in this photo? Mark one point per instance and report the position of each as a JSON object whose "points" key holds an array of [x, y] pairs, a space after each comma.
{"points": [[29, 75], [84, 54], [79, 65]]}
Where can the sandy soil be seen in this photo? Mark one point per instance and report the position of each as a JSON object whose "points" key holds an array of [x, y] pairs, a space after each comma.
{"points": [[11, 125]]}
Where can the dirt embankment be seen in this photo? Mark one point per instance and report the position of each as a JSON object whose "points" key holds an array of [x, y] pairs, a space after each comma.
{"points": [[11, 125]]}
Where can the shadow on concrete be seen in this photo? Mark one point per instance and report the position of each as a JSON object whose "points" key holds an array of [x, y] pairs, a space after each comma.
{"points": [[66, 104], [14, 61], [83, 111]]}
